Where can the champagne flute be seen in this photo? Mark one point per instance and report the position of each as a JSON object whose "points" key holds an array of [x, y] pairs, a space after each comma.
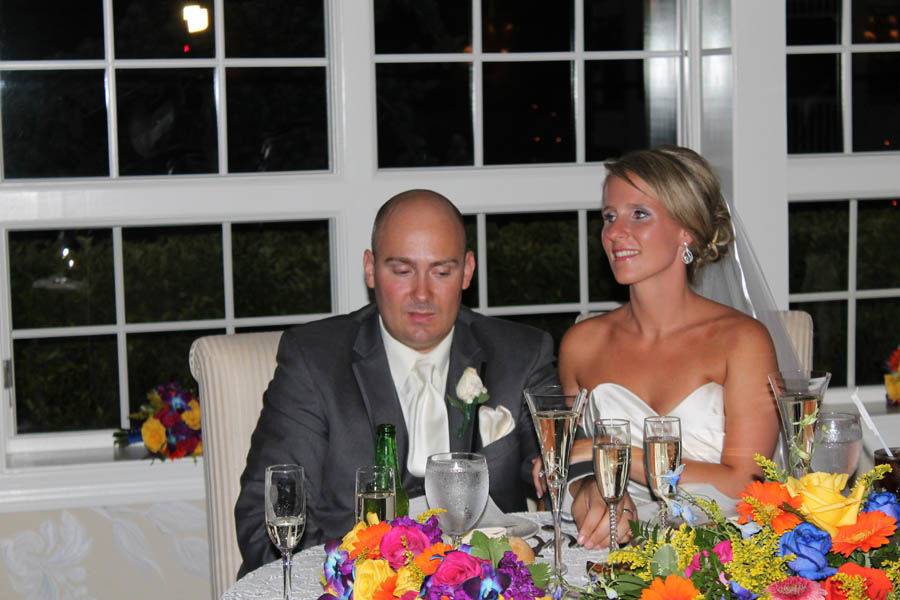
{"points": [[556, 415], [376, 493], [285, 513], [662, 460], [458, 483], [799, 395], [612, 459]]}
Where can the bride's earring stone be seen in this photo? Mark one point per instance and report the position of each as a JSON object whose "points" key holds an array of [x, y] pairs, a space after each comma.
{"points": [[687, 256]]}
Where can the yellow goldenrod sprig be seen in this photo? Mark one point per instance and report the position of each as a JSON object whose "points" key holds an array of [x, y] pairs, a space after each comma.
{"points": [[853, 586], [770, 469]]}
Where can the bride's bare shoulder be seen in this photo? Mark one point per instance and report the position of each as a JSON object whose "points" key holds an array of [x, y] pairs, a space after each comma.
{"points": [[736, 329], [593, 330]]}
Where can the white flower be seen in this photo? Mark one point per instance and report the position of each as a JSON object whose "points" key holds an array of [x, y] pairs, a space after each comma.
{"points": [[470, 386]]}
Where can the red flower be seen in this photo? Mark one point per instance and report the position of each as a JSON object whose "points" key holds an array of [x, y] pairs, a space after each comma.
{"points": [[773, 496], [878, 586], [893, 362], [871, 530], [455, 568], [167, 417]]}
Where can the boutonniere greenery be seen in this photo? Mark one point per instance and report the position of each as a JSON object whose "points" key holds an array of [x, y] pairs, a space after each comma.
{"points": [[470, 393]]}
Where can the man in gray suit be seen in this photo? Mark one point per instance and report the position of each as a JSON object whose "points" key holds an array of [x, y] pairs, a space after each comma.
{"points": [[395, 362]]}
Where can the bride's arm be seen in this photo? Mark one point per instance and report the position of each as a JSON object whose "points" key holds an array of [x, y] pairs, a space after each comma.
{"points": [[751, 419]]}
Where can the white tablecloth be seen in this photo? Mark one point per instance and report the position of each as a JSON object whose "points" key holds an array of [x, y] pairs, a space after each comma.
{"points": [[266, 583]]}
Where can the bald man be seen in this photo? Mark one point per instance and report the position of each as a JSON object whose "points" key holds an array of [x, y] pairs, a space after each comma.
{"points": [[395, 361]]}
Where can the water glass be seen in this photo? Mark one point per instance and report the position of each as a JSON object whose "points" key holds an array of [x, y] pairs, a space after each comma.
{"points": [[285, 513], [837, 444], [798, 395], [891, 481], [457, 482], [612, 459], [376, 493]]}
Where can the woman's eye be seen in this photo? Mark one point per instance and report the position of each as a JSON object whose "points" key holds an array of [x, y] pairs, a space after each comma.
{"points": [[641, 214], [609, 217]]}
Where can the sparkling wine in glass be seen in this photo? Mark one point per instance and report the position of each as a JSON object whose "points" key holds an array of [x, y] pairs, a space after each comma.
{"points": [[612, 459], [798, 395], [837, 444], [376, 493], [662, 459], [457, 482], [556, 414], [285, 513]]}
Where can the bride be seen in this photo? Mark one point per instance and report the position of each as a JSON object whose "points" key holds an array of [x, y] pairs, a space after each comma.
{"points": [[669, 350]]}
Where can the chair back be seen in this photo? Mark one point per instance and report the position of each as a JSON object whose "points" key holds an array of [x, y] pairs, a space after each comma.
{"points": [[232, 371], [799, 327]]}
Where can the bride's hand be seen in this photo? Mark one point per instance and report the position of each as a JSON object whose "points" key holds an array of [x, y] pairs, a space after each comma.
{"points": [[589, 511]]}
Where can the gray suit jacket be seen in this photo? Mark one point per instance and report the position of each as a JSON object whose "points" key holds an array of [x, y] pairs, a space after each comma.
{"points": [[333, 386]]}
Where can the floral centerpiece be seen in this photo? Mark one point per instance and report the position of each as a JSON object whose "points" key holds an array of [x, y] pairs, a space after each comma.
{"points": [[892, 377], [406, 559], [169, 423], [800, 539]]}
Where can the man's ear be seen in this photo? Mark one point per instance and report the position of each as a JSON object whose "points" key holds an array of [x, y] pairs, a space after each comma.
{"points": [[468, 269], [369, 268]]}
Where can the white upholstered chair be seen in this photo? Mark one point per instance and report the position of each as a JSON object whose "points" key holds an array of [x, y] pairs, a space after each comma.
{"points": [[233, 371]]}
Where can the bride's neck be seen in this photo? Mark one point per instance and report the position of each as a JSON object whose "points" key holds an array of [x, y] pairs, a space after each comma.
{"points": [[660, 306]]}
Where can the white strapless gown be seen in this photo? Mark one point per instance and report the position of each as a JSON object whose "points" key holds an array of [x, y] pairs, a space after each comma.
{"points": [[702, 414]]}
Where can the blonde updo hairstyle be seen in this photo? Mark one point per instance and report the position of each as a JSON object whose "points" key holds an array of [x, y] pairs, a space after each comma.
{"points": [[684, 182]]}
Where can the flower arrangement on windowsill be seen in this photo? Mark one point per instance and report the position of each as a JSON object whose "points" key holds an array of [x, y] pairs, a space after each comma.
{"points": [[169, 424], [793, 539], [892, 377], [406, 559]]}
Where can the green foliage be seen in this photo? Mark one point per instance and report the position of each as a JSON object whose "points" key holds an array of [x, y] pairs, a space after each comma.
{"points": [[665, 562], [488, 548], [540, 574]]}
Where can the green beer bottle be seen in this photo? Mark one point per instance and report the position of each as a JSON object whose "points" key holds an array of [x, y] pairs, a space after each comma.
{"points": [[386, 456]]}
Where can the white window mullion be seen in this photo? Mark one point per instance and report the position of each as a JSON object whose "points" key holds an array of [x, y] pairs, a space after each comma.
{"points": [[583, 281], [109, 83], [121, 341], [846, 70], [219, 86], [228, 277], [477, 100], [851, 300], [578, 87], [481, 270]]}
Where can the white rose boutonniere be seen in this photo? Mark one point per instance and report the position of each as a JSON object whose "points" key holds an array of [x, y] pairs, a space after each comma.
{"points": [[470, 392]]}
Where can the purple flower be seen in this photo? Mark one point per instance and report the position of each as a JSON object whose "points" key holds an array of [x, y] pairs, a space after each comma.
{"points": [[487, 587], [810, 544], [520, 586], [432, 529], [338, 571], [886, 502], [741, 593]]}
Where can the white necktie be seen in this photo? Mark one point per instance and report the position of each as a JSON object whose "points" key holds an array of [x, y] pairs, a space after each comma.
{"points": [[427, 418]]}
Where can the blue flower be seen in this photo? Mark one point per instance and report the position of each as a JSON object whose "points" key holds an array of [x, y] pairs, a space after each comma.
{"points": [[810, 545], [683, 509], [886, 502], [749, 529], [739, 592]]}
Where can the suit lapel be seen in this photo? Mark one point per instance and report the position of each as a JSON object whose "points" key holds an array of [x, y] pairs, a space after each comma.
{"points": [[373, 376], [464, 352]]}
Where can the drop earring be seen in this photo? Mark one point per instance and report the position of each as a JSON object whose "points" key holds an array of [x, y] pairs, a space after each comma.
{"points": [[687, 256]]}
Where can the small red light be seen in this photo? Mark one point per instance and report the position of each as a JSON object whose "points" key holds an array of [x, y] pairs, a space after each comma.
{"points": [[186, 48], [894, 203]]}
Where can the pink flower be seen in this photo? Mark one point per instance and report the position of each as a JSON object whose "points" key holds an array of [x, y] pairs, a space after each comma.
{"points": [[722, 550], [398, 541], [796, 588], [456, 567]]}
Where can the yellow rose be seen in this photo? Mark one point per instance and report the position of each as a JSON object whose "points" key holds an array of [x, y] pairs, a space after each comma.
{"points": [[349, 539], [822, 502], [408, 580], [154, 434], [369, 577], [198, 451], [191, 416]]}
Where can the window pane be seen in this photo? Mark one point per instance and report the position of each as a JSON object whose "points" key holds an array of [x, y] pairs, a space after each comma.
{"points": [[875, 22], [878, 238], [173, 273], [67, 30], [158, 358], [281, 268], [876, 96], [813, 22], [602, 285], [264, 28], [817, 246], [526, 26], [422, 26], [54, 124], [814, 103], [470, 296], [61, 278], [631, 104], [424, 114], [829, 338], [876, 338], [277, 119], [66, 384], [715, 21], [532, 258], [554, 324], [167, 121], [629, 25], [159, 29], [528, 113]]}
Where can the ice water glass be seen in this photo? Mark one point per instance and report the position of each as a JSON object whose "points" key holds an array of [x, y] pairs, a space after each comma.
{"points": [[612, 459], [285, 513], [457, 482], [837, 443], [376, 493]]}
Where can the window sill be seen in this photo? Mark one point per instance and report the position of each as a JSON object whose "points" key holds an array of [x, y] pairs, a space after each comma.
{"points": [[58, 480]]}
